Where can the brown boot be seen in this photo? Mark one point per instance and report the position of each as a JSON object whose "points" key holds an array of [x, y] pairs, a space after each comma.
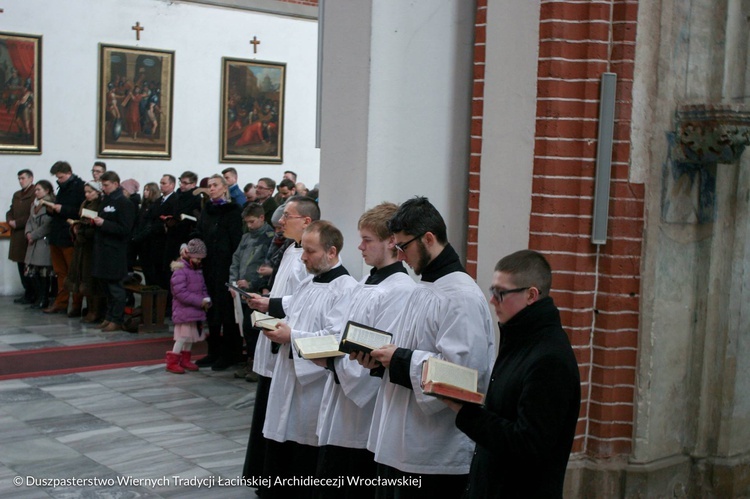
{"points": [[92, 315]]}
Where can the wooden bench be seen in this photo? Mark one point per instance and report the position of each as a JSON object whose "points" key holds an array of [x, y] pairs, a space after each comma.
{"points": [[153, 307]]}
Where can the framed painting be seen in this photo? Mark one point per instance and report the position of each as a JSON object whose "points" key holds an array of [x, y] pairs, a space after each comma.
{"points": [[252, 111], [20, 93], [135, 102]]}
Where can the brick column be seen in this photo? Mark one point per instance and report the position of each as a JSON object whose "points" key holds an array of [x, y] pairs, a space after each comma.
{"points": [[597, 290]]}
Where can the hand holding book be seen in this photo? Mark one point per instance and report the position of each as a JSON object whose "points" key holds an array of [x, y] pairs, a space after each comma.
{"points": [[441, 378]]}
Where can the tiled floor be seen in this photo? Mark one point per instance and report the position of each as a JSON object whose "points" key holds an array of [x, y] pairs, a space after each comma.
{"points": [[115, 428]]}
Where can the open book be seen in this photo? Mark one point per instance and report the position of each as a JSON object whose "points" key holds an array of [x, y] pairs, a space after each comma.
{"points": [[446, 379], [264, 321], [86, 213], [318, 347], [241, 292], [360, 338]]}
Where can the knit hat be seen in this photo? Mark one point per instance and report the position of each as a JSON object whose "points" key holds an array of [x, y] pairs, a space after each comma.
{"points": [[276, 217], [130, 185], [94, 185], [196, 249]]}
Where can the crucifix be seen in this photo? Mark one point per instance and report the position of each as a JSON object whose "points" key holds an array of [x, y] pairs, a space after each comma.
{"points": [[255, 43], [138, 28]]}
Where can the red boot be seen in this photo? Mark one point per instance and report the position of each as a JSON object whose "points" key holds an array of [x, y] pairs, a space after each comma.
{"points": [[185, 361], [173, 363]]}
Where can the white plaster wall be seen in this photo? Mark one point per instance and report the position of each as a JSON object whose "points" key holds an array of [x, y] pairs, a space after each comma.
{"points": [[200, 35], [417, 119], [508, 132]]}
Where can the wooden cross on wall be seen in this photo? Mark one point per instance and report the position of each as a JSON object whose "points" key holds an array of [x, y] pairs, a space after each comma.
{"points": [[255, 43], [137, 28]]}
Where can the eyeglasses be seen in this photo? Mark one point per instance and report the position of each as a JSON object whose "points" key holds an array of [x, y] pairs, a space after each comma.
{"points": [[402, 246], [97, 171], [262, 187], [499, 294], [286, 216]]}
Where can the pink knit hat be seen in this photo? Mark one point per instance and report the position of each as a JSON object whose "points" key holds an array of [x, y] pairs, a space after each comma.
{"points": [[131, 185], [196, 249]]}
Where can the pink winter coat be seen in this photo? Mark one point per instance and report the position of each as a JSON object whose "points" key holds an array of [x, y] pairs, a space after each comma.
{"points": [[188, 291]]}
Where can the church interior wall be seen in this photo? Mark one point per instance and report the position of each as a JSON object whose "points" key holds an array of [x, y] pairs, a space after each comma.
{"points": [[200, 35], [411, 137]]}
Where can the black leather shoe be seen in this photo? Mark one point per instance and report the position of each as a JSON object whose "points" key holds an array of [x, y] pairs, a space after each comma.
{"points": [[221, 364], [23, 301], [206, 361]]}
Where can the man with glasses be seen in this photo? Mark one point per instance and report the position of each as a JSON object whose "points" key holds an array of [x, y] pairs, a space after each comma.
{"points": [[299, 213], [525, 430], [413, 435], [97, 170], [188, 209], [263, 190]]}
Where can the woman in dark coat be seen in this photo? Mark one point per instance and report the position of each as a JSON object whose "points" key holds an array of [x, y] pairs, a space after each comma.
{"points": [[79, 278], [220, 227]]}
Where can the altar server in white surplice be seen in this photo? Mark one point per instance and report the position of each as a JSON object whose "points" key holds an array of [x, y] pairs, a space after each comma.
{"points": [[317, 308], [299, 212], [350, 391], [414, 435]]}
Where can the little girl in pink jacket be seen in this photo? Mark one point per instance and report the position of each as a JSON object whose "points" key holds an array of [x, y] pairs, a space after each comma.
{"points": [[190, 301]]}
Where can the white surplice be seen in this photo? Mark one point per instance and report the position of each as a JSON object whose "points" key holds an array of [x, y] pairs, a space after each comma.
{"points": [[297, 384], [414, 432], [346, 410], [288, 278]]}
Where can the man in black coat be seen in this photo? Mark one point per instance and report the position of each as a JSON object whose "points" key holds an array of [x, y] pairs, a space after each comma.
{"points": [[164, 216], [188, 210], [114, 224], [67, 205], [525, 430]]}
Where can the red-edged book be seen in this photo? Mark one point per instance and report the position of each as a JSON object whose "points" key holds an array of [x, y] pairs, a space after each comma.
{"points": [[441, 378]]}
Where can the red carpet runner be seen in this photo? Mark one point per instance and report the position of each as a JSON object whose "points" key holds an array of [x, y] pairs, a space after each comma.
{"points": [[82, 358]]}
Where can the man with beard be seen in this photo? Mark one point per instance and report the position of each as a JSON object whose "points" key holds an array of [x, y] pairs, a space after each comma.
{"points": [[317, 308], [299, 213], [413, 435]]}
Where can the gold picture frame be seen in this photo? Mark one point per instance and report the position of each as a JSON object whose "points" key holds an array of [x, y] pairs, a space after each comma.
{"points": [[135, 102], [20, 93], [252, 111]]}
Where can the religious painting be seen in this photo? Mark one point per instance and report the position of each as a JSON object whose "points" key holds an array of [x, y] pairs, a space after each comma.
{"points": [[252, 111], [135, 102], [20, 93]]}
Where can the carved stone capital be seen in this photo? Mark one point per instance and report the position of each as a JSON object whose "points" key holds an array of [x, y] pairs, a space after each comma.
{"points": [[711, 133]]}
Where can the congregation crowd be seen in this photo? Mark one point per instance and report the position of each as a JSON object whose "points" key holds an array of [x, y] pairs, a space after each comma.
{"points": [[361, 415]]}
